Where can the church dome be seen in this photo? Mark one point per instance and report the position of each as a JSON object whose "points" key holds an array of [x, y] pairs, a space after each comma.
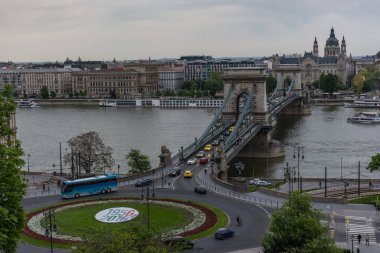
{"points": [[332, 41]]}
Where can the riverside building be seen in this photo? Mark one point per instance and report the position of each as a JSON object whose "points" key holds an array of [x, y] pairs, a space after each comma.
{"points": [[310, 65]]}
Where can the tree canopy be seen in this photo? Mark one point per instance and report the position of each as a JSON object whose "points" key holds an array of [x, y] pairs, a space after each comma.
{"points": [[44, 92], [133, 239], [137, 161], [357, 83], [374, 165], [295, 227], [88, 153], [328, 83], [271, 84], [12, 188]]}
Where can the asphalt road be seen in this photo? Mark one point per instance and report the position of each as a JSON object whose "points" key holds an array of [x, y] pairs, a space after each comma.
{"points": [[255, 219]]}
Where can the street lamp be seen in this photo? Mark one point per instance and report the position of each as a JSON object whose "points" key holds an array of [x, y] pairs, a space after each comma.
{"points": [[118, 170], [50, 225], [153, 194], [28, 163], [239, 166], [298, 161]]}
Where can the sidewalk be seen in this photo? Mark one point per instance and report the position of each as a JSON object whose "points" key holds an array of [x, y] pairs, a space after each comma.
{"points": [[275, 202], [372, 248]]}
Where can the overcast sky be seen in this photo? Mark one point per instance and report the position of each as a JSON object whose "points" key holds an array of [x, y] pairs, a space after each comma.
{"points": [[50, 30]]}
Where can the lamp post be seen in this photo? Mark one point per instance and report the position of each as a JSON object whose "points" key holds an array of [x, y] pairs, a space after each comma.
{"points": [[341, 169], [60, 158], [352, 243], [153, 194], [50, 225], [28, 163], [118, 170], [239, 166], [298, 161]]}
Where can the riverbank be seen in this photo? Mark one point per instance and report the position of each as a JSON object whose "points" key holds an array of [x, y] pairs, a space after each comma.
{"points": [[167, 102]]}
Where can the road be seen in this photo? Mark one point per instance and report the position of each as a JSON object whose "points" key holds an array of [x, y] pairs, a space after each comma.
{"points": [[249, 235]]}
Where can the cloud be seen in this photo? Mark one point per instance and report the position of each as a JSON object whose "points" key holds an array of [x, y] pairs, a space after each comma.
{"points": [[39, 30]]}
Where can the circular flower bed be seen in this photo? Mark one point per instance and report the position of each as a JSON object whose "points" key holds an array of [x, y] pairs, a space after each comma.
{"points": [[203, 218]]}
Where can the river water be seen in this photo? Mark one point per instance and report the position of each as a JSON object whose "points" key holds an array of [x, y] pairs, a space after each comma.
{"points": [[327, 139]]}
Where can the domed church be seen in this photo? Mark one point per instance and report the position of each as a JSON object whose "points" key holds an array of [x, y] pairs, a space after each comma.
{"points": [[311, 65]]}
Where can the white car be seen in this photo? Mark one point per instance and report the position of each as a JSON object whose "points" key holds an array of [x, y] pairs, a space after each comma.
{"points": [[192, 161], [259, 182]]}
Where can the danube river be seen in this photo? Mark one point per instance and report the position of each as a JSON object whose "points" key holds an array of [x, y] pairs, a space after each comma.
{"points": [[326, 137]]}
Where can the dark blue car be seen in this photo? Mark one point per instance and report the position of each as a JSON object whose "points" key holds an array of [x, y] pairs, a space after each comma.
{"points": [[223, 233]]}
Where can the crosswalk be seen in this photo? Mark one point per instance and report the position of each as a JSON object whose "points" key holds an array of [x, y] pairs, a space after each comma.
{"points": [[362, 225]]}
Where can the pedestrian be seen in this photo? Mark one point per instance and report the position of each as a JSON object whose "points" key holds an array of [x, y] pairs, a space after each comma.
{"points": [[59, 182], [367, 240], [359, 238], [43, 187], [320, 185], [238, 219], [205, 171]]}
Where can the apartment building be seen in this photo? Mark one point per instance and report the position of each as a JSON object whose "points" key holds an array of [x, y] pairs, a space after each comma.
{"points": [[170, 78]]}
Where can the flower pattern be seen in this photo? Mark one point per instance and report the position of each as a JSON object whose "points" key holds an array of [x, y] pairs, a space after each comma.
{"points": [[203, 218]]}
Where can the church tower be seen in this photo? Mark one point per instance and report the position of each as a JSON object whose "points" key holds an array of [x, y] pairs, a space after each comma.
{"points": [[332, 45], [343, 50], [315, 47]]}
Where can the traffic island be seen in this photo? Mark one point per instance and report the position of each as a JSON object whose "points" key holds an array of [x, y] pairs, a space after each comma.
{"points": [[74, 220]]}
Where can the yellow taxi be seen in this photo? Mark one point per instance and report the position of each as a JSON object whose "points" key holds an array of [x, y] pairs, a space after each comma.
{"points": [[208, 147], [187, 174], [231, 129]]}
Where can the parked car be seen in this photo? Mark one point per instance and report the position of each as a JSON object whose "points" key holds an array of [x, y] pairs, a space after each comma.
{"points": [[192, 161], [226, 133], [231, 129], [259, 182], [208, 147], [187, 174], [179, 243], [203, 160], [143, 182], [221, 138], [175, 171], [200, 189], [201, 154], [215, 143], [223, 233]]}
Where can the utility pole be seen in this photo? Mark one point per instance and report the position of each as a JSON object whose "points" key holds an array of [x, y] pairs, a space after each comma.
{"points": [[72, 164], [359, 178], [325, 181], [341, 169], [60, 158]]}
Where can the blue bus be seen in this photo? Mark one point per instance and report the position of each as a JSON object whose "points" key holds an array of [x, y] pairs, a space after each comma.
{"points": [[89, 186]]}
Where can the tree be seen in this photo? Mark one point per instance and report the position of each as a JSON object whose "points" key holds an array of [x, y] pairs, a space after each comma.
{"points": [[44, 92], [295, 227], [89, 151], [12, 188], [131, 239], [53, 94], [271, 84], [375, 163], [329, 83], [137, 161], [357, 83]]}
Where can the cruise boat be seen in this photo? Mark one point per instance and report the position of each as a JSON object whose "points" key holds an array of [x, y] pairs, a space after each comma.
{"points": [[364, 103], [27, 104], [107, 103], [365, 117]]}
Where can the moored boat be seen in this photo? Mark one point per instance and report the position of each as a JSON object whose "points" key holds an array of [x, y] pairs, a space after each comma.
{"points": [[364, 103], [28, 104], [365, 118], [107, 103]]}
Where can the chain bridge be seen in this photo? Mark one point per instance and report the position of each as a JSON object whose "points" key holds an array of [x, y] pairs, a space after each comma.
{"points": [[250, 113]]}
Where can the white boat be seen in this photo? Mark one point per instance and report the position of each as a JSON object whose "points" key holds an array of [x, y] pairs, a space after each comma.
{"points": [[27, 104], [364, 103], [107, 103], [365, 118]]}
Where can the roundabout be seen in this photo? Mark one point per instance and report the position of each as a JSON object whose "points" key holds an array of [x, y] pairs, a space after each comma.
{"points": [[250, 235], [76, 219]]}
